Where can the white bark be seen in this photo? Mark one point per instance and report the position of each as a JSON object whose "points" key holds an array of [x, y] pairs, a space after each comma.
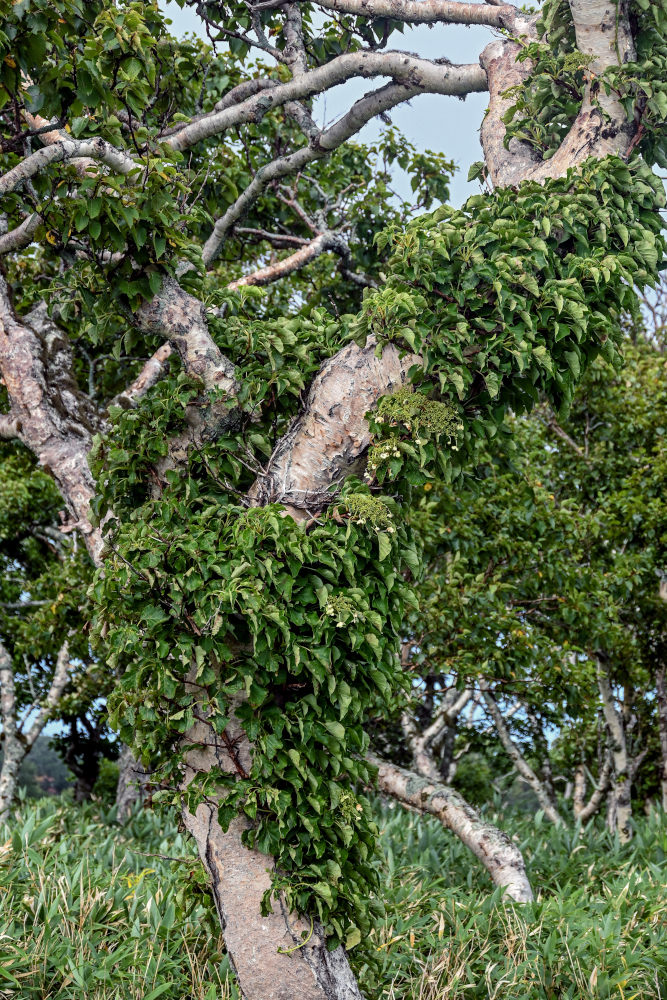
{"points": [[66, 149], [501, 858], [620, 808], [15, 743], [423, 11], [402, 67], [582, 809]]}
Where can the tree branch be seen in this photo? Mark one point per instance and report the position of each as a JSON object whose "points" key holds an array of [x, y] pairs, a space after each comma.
{"points": [[361, 112], [56, 688], [424, 75], [67, 149], [501, 858], [419, 11]]}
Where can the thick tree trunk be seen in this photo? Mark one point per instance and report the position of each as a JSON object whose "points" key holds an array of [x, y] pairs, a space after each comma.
{"points": [[661, 699], [280, 956], [501, 858]]}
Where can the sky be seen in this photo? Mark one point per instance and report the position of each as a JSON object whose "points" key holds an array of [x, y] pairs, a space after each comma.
{"points": [[431, 121]]}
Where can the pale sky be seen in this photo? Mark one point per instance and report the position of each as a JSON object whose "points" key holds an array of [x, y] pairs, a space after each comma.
{"points": [[431, 121]]}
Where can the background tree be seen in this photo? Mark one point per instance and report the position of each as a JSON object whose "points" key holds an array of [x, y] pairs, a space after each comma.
{"points": [[253, 589], [541, 604]]}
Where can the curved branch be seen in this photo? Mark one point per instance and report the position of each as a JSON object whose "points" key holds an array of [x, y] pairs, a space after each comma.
{"points": [[21, 236], [288, 265], [423, 74], [67, 149], [501, 858], [600, 129], [521, 764]]}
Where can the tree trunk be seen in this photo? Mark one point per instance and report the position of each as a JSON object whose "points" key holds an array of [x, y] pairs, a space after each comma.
{"points": [[280, 956], [131, 786], [501, 858], [522, 766], [13, 754], [661, 698], [619, 812]]}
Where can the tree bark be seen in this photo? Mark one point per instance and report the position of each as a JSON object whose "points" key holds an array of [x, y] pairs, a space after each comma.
{"points": [[619, 814], [280, 956], [16, 743], [501, 858], [131, 787], [661, 699]]}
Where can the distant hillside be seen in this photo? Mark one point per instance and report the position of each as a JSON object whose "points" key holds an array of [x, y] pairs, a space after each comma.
{"points": [[43, 772]]}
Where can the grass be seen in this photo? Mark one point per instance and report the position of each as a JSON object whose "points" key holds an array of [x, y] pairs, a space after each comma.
{"points": [[88, 911]]}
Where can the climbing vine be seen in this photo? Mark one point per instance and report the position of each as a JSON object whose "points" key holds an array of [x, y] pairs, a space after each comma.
{"points": [[210, 607]]}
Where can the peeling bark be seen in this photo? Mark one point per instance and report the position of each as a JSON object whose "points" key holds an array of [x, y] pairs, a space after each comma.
{"points": [[55, 420], [501, 858], [330, 439]]}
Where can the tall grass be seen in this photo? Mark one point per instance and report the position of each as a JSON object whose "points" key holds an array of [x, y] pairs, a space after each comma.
{"points": [[90, 911], [597, 928], [84, 914]]}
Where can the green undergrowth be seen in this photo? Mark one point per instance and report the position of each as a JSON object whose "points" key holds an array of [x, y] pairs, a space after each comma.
{"points": [[90, 911]]}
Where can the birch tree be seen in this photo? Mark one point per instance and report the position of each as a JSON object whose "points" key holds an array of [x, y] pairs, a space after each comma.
{"points": [[255, 474]]}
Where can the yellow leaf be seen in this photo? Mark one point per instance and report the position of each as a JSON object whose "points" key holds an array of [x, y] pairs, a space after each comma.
{"points": [[10, 62]]}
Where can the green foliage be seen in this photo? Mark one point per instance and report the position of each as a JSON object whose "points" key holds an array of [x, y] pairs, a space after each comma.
{"points": [[91, 910], [594, 932], [511, 297], [249, 605], [294, 628]]}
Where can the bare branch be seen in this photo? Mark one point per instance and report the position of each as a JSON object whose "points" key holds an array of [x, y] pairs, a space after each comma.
{"points": [[154, 369], [521, 764], [419, 11], [361, 112], [21, 236], [56, 688], [67, 149], [330, 439], [56, 420], [421, 74], [273, 272]]}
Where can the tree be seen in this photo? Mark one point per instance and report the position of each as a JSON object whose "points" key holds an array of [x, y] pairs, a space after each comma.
{"points": [[254, 587], [42, 588], [541, 600]]}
